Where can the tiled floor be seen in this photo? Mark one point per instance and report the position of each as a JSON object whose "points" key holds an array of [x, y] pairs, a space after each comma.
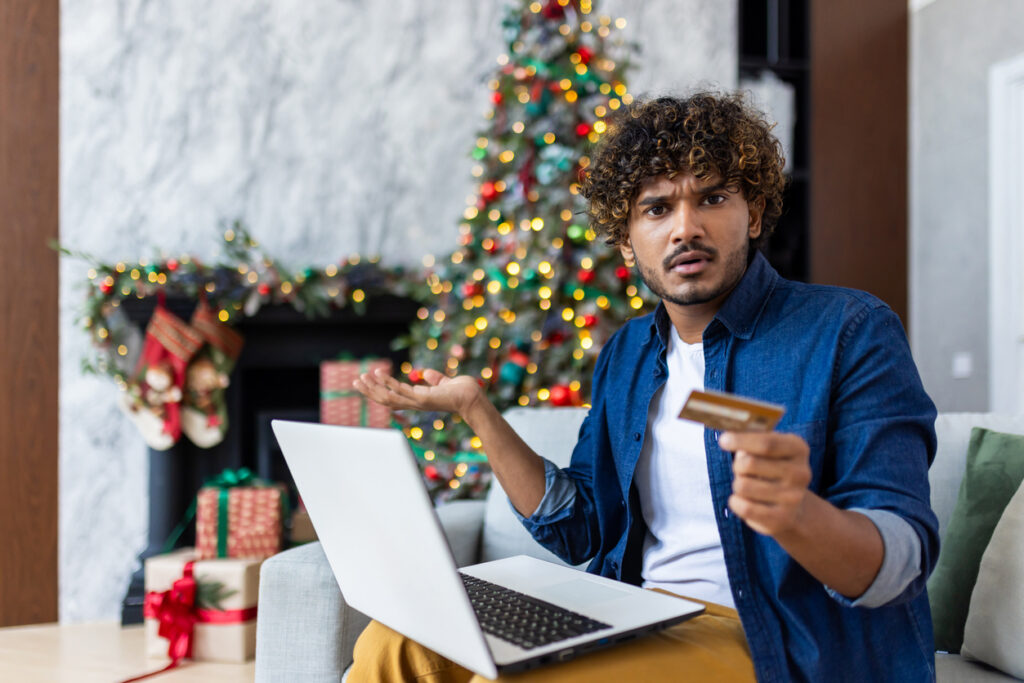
{"points": [[100, 653]]}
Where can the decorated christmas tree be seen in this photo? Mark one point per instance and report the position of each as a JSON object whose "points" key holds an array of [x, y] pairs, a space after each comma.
{"points": [[529, 295]]}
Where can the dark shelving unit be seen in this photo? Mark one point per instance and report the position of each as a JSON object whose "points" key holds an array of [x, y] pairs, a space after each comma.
{"points": [[775, 36]]}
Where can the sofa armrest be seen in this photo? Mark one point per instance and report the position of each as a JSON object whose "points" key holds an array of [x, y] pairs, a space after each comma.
{"points": [[305, 631], [463, 523]]}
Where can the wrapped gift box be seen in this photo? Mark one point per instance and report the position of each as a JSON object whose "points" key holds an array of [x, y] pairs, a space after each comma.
{"points": [[254, 516], [227, 634], [340, 404]]}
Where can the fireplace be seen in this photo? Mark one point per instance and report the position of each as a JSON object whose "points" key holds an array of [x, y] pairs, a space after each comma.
{"points": [[277, 376]]}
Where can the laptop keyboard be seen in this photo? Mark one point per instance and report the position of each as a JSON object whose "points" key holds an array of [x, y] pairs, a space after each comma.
{"points": [[523, 620]]}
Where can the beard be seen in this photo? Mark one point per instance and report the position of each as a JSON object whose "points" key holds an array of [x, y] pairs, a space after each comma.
{"points": [[690, 294]]}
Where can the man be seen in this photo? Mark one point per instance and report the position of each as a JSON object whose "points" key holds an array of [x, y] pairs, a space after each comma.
{"points": [[819, 534]]}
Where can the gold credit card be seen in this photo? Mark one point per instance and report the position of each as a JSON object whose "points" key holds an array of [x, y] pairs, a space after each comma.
{"points": [[731, 413]]}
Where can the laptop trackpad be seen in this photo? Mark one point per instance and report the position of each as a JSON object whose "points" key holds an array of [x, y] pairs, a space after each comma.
{"points": [[580, 592]]}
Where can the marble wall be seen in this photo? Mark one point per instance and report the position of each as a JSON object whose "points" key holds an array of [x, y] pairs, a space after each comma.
{"points": [[329, 126]]}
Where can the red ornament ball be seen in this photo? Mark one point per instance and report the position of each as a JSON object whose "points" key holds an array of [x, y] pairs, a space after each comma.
{"points": [[519, 358], [458, 351], [622, 272], [415, 376], [263, 289], [585, 276], [497, 98], [589, 320], [106, 288], [431, 472], [582, 128], [586, 54], [172, 265], [561, 395], [488, 191]]}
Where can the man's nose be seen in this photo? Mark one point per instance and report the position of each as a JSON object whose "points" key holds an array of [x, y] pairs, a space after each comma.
{"points": [[686, 224]]}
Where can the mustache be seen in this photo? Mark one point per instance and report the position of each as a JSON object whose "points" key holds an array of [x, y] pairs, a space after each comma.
{"points": [[688, 247]]}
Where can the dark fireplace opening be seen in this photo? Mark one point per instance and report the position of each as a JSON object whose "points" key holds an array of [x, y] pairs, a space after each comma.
{"points": [[277, 376]]}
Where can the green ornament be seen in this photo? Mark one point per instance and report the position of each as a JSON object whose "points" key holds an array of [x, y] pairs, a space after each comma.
{"points": [[530, 277], [479, 153], [308, 273], [512, 374], [576, 232]]}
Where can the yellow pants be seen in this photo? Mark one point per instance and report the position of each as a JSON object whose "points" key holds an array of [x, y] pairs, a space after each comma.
{"points": [[710, 647]]}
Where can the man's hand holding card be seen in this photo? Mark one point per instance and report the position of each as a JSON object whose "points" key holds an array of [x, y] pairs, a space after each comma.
{"points": [[771, 470]]}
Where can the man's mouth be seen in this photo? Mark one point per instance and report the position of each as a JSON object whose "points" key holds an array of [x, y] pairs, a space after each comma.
{"points": [[689, 262]]}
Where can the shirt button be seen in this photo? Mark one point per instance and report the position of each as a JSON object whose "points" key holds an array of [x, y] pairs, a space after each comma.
{"points": [[725, 511], [739, 592], [636, 436]]}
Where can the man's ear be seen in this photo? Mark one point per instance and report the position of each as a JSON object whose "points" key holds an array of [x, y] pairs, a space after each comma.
{"points": [[756, 210], [626, 249]]}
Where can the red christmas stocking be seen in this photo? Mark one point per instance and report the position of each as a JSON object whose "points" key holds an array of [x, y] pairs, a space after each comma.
{"points": [[153, 397], [204, 417]]}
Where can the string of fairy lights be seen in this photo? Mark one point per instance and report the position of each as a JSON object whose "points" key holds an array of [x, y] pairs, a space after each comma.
{"points": [[242, 281]]}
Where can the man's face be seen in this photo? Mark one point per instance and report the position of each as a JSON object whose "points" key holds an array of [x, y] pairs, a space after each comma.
{"points": [[689, 238]]}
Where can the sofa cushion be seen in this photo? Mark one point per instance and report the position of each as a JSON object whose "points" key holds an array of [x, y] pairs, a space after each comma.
{"points": [[956, 669], [954, 433], [995, 620], [995, 468], [551, 432]]}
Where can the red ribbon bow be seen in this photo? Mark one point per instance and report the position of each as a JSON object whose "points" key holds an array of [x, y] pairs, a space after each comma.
{"points": [[175, 609]]}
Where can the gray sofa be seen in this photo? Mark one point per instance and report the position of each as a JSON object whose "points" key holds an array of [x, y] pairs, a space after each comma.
{"points": [[306, 632]]}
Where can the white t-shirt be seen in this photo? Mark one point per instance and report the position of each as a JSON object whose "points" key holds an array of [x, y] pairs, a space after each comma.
{"points": [[682, 550]]}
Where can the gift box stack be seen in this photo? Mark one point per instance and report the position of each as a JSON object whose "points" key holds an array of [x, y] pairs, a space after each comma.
{"points": [[340, 404], [201, 602], [201, 609]]}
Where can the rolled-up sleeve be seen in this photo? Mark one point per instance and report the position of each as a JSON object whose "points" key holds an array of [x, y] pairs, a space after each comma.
{"points": [[559, 495], [901, 563]]}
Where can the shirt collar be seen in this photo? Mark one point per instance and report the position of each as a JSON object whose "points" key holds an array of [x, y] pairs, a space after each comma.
{"points": [[741, 311]]}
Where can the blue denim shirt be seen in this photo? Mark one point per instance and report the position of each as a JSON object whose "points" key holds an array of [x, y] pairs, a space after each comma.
{"points": [[839, 361]]}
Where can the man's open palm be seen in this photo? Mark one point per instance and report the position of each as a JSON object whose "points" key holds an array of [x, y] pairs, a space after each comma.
{"points": [[448, 394]]}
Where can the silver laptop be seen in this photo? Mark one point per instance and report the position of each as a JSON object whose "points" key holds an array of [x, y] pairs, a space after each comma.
{"points": [[385, 545]]}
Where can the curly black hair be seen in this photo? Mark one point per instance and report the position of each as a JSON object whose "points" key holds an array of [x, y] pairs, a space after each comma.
{"points": [[707, 134]]}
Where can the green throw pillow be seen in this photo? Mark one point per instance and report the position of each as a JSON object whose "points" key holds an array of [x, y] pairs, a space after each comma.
{"points": [[995, 469]]}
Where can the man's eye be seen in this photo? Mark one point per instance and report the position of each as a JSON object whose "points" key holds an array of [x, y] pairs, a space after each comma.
{"points": [[656, 210], [713, 199]]}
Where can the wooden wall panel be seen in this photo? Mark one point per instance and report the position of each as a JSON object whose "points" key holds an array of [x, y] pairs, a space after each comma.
{"points": [[29, 125], [859, 220]]}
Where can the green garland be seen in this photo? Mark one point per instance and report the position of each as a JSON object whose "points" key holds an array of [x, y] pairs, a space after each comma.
{"points": [[241, 282]]}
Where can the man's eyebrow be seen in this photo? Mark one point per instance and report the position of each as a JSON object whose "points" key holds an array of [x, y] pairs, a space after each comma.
{"points": [[654, 199], [661, 198]]}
